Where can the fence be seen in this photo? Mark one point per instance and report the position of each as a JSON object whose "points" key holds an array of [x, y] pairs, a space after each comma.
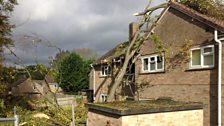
{"points": [[8, 121]]}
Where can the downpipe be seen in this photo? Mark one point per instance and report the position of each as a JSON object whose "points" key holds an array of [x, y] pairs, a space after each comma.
{"points": [[94, 81], [219, 78]]}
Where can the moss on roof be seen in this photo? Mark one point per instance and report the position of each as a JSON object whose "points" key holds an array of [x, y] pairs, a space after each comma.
{"points": [[131, 105]]}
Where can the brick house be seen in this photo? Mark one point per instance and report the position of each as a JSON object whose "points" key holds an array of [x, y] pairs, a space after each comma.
{"points": [[187, 69]]}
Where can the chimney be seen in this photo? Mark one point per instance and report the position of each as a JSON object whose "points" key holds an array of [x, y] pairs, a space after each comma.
{"points": [[133, 28]]}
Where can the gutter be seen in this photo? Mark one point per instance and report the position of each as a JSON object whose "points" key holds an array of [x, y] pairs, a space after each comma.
{"points": [[219, 77], [94, 82]]}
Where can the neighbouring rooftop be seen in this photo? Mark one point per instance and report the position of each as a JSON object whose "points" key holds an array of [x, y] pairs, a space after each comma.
{"points": [[141, 107]]}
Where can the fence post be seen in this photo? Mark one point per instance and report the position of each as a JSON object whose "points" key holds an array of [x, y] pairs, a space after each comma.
{"points": [[73, 113], [16, 121]]}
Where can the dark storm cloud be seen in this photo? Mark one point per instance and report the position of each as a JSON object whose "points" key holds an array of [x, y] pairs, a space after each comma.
{"points": [[70, 24]]}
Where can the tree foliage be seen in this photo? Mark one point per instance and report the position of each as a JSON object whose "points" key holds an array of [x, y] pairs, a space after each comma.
{"points": [[208, 7], [6, 7], [74, 73]]}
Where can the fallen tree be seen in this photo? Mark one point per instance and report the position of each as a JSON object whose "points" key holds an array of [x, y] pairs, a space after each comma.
{"points": [[131, 53]]}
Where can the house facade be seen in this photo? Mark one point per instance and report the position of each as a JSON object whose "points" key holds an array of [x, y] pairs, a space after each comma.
{"points": [[185, 69]]}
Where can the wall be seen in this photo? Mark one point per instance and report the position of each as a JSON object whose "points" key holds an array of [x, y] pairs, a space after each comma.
{"points": [[176, 118], [101, 83], [177, 81], [97, 118]]}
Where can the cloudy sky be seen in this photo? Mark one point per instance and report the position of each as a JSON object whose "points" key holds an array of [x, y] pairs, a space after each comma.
{"points": [[71, 24]]}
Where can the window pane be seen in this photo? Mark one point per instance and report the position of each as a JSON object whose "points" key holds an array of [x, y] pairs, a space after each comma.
{"points": [[145, 64], [208, 60], [102, 97], [109, 70], [152, 66], [196, 57], [102, 71], [159, 62], [106, 70], [152, 59], [208, 50]]}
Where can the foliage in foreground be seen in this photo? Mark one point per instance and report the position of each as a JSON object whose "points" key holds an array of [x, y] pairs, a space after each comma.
{"points": [[57, 116]]}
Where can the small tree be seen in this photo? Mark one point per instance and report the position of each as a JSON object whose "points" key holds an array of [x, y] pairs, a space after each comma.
{"points": [[74, 73]]}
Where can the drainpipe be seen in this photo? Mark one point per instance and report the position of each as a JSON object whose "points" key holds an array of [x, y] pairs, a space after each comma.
{"points": [[219, 78], [94, 81]]}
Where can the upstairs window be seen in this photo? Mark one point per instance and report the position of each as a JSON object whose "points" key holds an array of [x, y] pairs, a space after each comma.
{"points": [[105, 70], [202, 57], [153, 63]]}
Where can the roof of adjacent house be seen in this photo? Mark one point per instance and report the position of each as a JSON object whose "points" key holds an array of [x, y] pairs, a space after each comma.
{"points": [[49, 79], [208, 20], [22, 80]]}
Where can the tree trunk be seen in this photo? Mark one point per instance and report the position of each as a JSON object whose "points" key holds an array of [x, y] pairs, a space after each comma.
{"points": [[129, 54], [131, 51]]}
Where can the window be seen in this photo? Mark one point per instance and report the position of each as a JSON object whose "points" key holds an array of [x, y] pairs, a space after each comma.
{"points": [[153, 63], [103, 97], [34, 87], [202, 57], [105, 70]]}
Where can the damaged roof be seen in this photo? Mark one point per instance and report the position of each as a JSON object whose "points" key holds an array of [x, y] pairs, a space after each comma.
{"points": [[113, 53]]}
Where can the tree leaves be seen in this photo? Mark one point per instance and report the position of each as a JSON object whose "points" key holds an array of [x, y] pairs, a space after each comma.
{"points": [[74, 73]]}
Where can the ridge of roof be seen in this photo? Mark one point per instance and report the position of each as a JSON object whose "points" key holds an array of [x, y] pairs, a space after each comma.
{"points": [[211, 21]]}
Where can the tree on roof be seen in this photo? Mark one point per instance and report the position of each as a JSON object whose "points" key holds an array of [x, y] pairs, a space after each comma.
{"points": [[206, 7], [213, 8], [131, 52]]}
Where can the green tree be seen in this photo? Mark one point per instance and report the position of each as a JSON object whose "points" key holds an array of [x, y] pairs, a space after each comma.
{"points": [[74, 73], [6, 7]]}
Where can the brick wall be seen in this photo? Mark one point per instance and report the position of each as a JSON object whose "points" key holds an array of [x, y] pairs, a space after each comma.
{"points": [[176, 118], [177, 81]]}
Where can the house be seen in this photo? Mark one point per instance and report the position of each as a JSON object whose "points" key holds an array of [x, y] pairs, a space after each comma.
{"points": [[54, 86], [187, 69], [29, 88]]}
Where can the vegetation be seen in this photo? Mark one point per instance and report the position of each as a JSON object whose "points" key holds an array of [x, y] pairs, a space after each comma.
{"points": [[74, 73], [56, 116], [131, 105], [208, 7], [7, 7]]}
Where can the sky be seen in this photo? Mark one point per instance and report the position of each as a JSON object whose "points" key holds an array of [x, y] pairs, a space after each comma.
{"points": [[70, 24]]}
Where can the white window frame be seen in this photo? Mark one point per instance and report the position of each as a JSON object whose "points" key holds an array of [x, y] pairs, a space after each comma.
{"points": [[149, 57], [103, 97], [106, 67], [202, 57]]}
